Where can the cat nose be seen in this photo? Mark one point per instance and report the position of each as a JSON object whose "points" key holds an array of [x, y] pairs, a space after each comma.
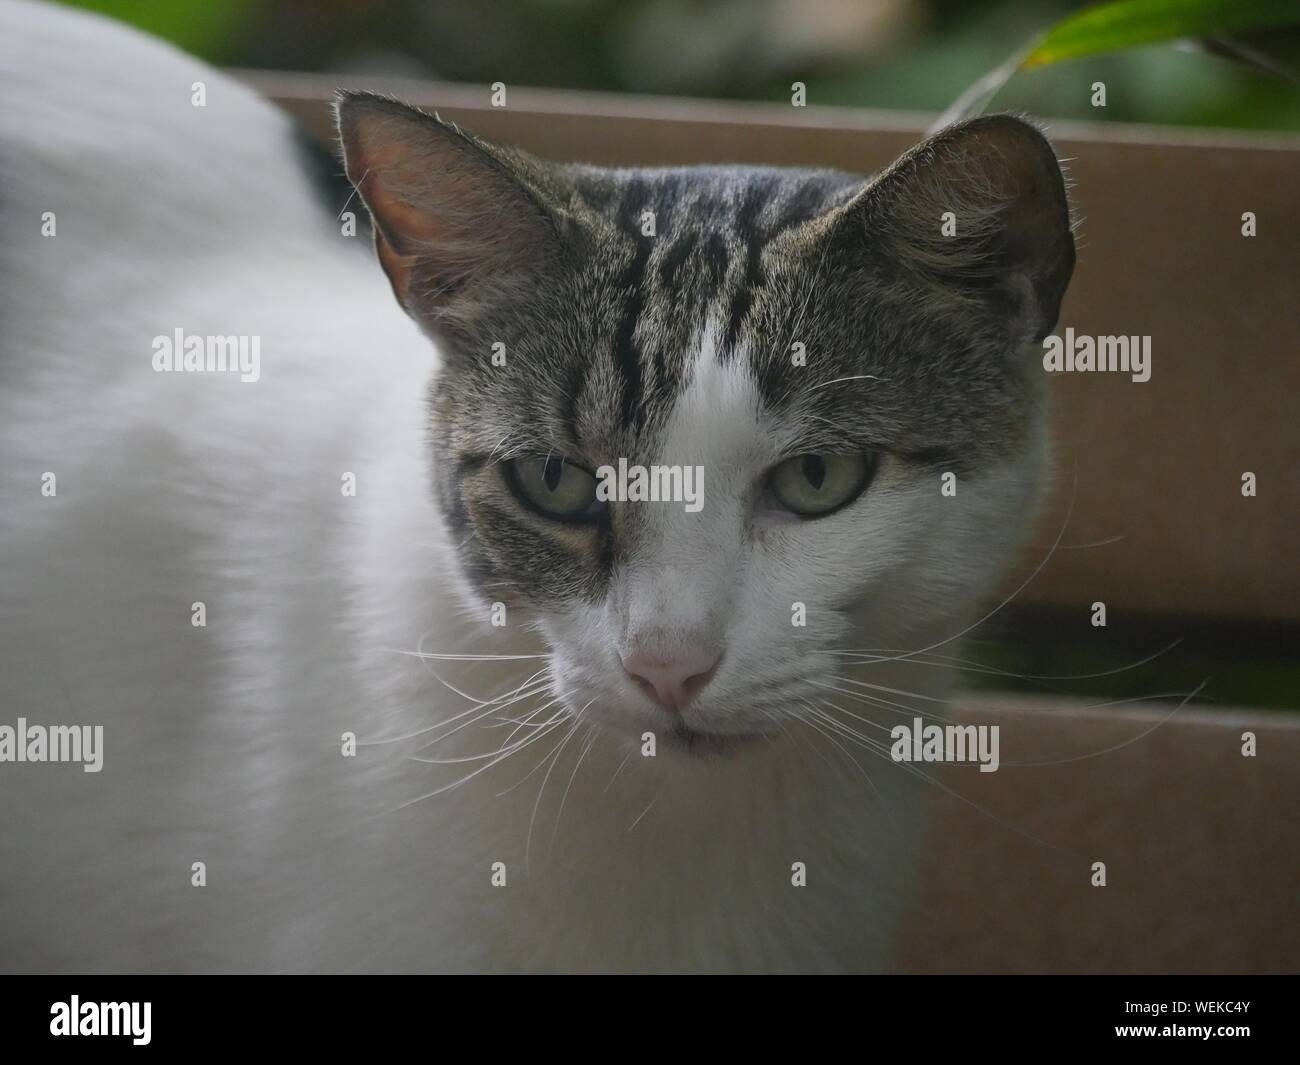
{"points": [[671, 680]]}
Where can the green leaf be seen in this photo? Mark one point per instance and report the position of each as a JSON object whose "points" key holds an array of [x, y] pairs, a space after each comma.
{"points": [[1125, 23], [204, 28]]}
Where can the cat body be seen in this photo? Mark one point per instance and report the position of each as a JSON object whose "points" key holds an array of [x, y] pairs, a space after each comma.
{"points": [[341, 529]]}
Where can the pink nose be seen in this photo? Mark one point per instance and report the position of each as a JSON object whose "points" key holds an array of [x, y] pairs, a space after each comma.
{"points": [[672, 680]]}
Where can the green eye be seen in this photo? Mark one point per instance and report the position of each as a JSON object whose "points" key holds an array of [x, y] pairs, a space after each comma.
{"points": [[554, 487], [813, 486]]}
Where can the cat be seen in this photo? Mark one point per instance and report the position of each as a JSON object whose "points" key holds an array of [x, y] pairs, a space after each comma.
{"points": [[384, 686]]}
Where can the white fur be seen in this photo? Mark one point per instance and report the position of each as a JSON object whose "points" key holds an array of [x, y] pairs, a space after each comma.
{"points": [[222, 744]]}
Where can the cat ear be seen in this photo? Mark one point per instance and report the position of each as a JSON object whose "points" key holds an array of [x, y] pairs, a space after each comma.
{"points": [[457, 221], [981, 210]]}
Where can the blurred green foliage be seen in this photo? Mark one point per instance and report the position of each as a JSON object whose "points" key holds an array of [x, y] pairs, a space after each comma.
{"points": [[916, 55], [210, 30], [1144, 658]]}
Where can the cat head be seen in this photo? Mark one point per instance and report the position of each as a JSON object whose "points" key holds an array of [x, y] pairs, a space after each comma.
{"points": [[841, 369]]}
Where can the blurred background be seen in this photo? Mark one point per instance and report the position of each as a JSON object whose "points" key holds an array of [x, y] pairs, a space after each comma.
{"points": [[913, 55]]}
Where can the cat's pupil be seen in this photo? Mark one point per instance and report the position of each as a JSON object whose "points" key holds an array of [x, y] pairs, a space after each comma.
{"points": [[551, 472], [814, 470]]}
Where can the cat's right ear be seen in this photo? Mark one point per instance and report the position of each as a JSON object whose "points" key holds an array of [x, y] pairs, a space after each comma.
{"points": [[457, 221]]}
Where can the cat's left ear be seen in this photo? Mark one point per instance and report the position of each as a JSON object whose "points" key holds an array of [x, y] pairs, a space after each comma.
{"points": [[980, 210], [457, 221]]}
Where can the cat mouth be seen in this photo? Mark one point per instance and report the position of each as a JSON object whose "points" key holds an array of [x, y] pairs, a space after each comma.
{"points": [[708, 744]]}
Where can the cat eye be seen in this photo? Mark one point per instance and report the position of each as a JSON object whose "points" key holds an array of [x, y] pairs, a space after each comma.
{"points": [[813, 486], [554, 487]]}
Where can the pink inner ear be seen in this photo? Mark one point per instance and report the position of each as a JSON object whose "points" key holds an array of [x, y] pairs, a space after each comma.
{"points": [[397, 267], [377, 174], [451, 218]]}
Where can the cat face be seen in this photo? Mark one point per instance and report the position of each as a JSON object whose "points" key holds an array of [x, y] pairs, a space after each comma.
{"points": [[837, 366]]}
